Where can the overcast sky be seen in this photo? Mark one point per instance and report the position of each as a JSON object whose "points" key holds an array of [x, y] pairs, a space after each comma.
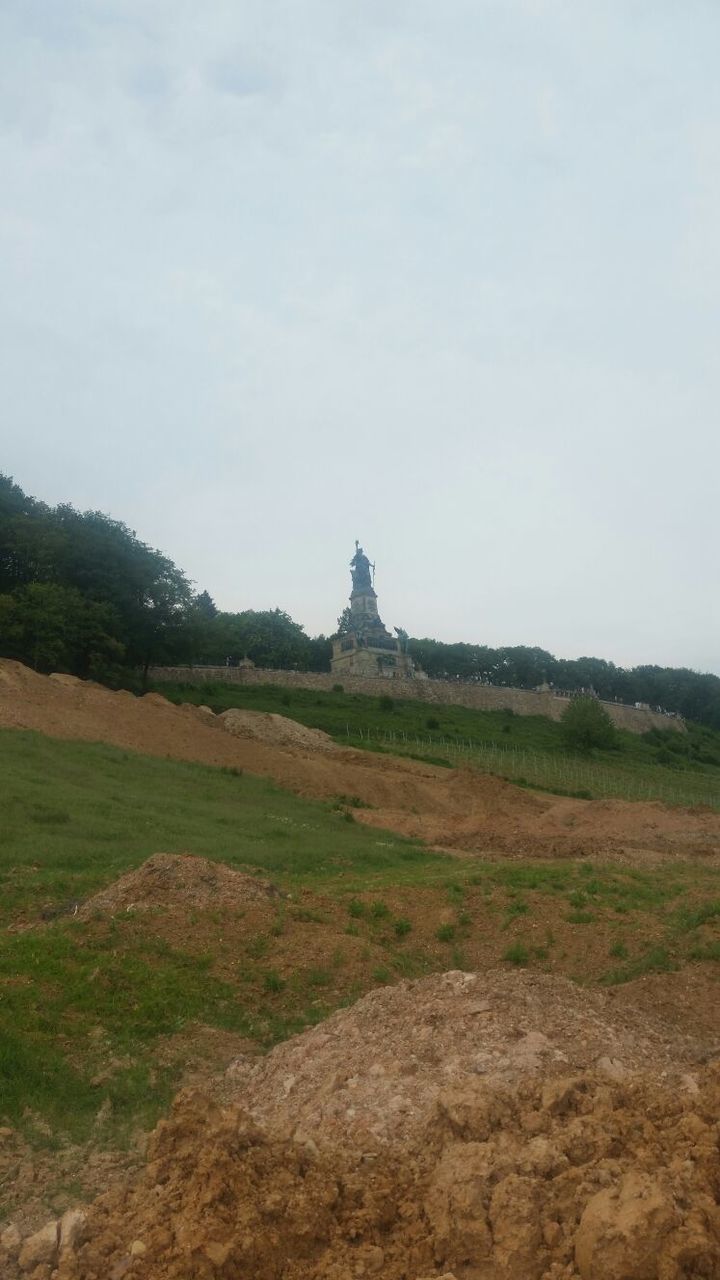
{"points": [[440, 276]]}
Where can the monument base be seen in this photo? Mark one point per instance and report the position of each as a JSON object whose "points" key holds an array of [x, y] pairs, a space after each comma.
{"points": [[353, 656]]}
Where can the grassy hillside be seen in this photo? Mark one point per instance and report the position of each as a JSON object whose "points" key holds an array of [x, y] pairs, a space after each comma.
{"points": [[666, 765], [99, 1016], [75, 816]]}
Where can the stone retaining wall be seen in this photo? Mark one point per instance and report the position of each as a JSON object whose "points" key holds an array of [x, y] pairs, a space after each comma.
{"points": [[483, 697]]}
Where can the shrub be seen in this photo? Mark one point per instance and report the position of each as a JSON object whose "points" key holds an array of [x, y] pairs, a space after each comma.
{"points": [[402, 927], [586, 724], [432, 722], [386, 702], [338, 688]]}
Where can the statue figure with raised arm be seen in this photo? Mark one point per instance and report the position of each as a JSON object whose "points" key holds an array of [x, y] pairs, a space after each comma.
{"points": [[360, 569]]}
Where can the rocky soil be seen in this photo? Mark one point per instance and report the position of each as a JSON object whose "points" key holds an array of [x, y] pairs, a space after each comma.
{"points": [[169, 879], [277, 731], [496, 1127]]}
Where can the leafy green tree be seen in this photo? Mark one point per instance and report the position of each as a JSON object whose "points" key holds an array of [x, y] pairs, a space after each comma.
{"points": [[98, 593], [269, 637], [586, 724], [205, 606], [54, 627], [344, 622]]}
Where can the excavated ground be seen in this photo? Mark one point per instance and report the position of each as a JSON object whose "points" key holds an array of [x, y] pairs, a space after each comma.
{"points": [[487, 1125], [455, 809], [498, 1127]]}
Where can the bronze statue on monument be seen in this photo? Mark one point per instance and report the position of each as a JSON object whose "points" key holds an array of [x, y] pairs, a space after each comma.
{"points": [[360, 568]]}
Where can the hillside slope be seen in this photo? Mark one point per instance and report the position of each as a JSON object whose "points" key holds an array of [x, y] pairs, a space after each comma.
{"points": [[459, 809]]}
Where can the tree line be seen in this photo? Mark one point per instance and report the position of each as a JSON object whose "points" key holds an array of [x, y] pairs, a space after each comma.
{"points": [[690, 693], [80, 592]]}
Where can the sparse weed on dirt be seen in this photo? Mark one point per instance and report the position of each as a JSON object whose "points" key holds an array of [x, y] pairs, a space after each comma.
{"points": [[445, 933], [517, 907], [655, 960]]}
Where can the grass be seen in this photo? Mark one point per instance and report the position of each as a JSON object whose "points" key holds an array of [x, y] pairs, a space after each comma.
{"points": [[656, 959], [445, 933], [681, 769], [137, 805], [73, 996], [58, 987]]}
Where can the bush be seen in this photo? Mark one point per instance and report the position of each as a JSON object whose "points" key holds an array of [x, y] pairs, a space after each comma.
{"points": [[586, 724], [432, 722], [386, 702]]}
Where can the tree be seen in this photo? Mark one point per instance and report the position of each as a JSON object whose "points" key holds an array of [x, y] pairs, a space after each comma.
{"points": [[586, 724], [56, 628], [205, 606], [345, 622]]}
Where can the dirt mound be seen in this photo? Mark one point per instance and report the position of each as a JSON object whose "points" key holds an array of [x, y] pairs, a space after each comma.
{"points": [[368, 1076], [456, 809], [432, 1128], [277, 731], [168, 880]]}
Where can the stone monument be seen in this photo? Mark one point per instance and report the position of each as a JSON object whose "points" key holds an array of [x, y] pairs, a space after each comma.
{"points": [[364, 646]]}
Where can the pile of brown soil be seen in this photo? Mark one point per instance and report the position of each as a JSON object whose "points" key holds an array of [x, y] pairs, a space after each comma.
{"points": [[387, 1056], [168, 881], [277, 731], [500, 1127]]}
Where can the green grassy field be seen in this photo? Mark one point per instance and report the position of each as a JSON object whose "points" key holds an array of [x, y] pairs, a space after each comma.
{"points": [[680, 769], [73, 817], [84, 1007]]}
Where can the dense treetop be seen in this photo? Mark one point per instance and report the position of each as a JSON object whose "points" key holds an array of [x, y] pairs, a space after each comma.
{"points": [[79, 592]]}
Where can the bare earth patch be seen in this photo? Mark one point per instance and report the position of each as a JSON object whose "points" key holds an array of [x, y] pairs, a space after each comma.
{"points": [[499, 1127]]}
